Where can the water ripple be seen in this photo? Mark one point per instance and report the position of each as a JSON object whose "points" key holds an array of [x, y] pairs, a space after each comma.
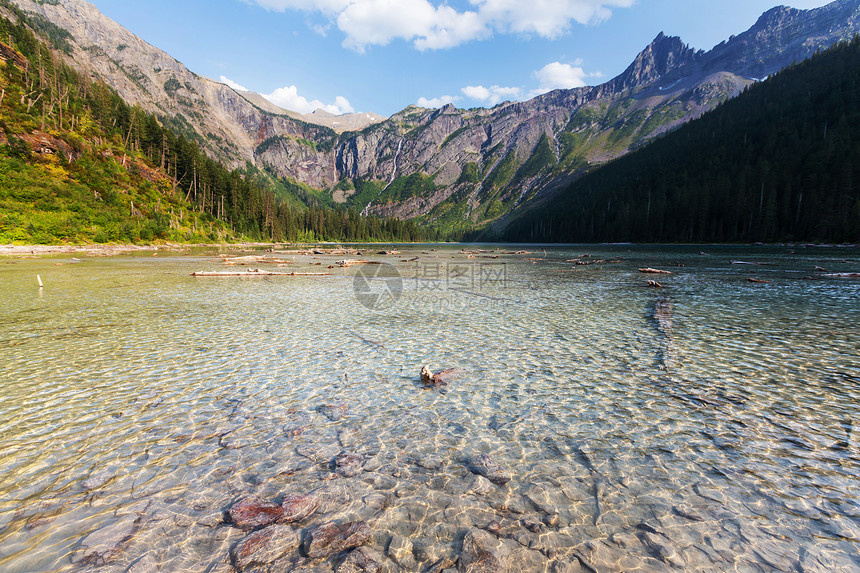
{"points": [[707, 425]]}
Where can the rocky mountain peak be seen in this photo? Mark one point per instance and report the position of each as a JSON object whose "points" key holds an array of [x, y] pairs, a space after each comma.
{"points": [[783, 35], [774, 17], [662, 56]]}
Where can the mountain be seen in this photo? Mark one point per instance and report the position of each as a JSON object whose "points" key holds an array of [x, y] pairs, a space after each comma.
{"points": [[228, 124], [80, 165], [455, 169], [781, 162]]}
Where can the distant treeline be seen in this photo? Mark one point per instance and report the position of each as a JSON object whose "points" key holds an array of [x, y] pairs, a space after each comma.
{"points": [[781, 162], [43, 94]]}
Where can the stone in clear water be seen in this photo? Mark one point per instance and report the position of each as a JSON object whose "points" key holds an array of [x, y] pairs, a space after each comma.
{"points": [[331, 538], [486, 466], [333, 412], [253, 512], [363, 560], [101, 546], [400, 551], [297, 507], [348, 465], [97, 480], [265, 546], [482, 552]]}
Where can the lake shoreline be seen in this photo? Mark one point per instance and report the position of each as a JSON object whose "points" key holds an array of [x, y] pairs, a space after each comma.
{"points": [[115, 250]]}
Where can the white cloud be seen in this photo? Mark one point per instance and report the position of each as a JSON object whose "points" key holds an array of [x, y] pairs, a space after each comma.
{"points": [[288, 98], [560, 76], [378, 22], [552, 76], [325, 6], [492, 95], [434, 26], [234, 85], [319, 29], [436, 102], [546, 18], [343, 105]]}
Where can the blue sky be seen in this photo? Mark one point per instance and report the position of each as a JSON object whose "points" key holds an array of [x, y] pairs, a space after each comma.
{"points": [[383, 55]]}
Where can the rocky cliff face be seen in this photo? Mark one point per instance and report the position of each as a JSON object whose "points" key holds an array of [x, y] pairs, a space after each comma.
{"points": [[226, 123], [475, 165], [785, 35]]}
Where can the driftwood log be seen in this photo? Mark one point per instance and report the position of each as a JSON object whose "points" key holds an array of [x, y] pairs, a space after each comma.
{"points": [[431, 380], [351, 262], [655, 271], [251, 273]]}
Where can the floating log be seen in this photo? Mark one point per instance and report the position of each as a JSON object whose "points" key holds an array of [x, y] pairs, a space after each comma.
{"points": [[654, 284], [254, 258], [388, 253], [844, 275], [292, 252], [655, 271], [751, 263], [351, 262], [341, 251], [233, 261], [752, 280], [251, 273]]}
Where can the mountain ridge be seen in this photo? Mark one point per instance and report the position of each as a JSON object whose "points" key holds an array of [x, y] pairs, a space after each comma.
{"points": [[475, 166], [778, 163]]}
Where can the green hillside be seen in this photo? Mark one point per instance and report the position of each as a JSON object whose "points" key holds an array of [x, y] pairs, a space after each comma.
{"points": [[779, 163], [79, 165]]}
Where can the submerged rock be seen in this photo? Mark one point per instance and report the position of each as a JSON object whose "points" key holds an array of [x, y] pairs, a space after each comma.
{"points": [[334, 497], [362, 560], [348, 465], [97, 480], [486, 466], [319, 453], [479, 486], [294, 431], [253, 512], [573, 566], [482, 552], [333, 412], [100, 546], [400, 551], [265, 546], [297, 507], [661, 549], [347, 437], [146, 564], [331, 538]]}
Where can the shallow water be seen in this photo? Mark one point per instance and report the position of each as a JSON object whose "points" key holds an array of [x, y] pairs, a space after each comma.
{"points": [[707, 425]]}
